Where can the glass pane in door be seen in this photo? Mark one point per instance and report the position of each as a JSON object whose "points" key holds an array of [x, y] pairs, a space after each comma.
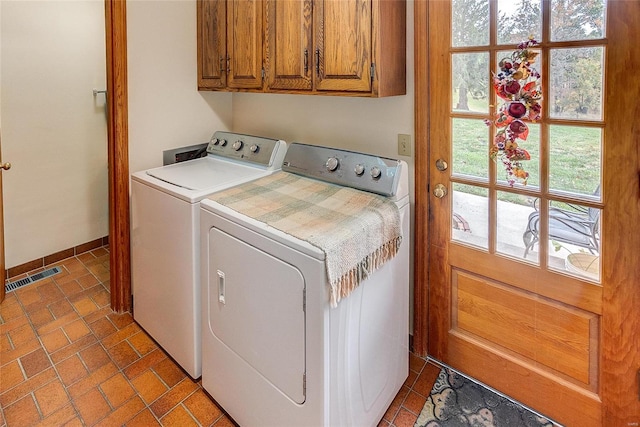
{"points": [[515, 212], [469, 140], [470, 215], [575, 83], [470, 23], [470, 77], [532, 145], [574, 240], [575, 159], [519, 20], [577, 19]]}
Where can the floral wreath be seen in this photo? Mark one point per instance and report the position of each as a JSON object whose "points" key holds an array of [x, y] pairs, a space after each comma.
{"points": [[518, 85]]}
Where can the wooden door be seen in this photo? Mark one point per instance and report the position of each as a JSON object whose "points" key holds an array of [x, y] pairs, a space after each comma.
{"points": [[244, 44], [289, 52], [3, 276], [212, 42], [343, 45], [532, 288]]}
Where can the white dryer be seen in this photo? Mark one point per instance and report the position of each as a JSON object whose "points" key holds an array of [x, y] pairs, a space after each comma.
{"points": [[275, 351], [165, 238]]}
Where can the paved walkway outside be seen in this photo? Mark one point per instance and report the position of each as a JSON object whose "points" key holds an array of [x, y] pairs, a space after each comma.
{"points": [[512, 219]]}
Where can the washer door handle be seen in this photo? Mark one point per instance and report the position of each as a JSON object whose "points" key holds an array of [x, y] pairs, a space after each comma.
{"points": [[221, 286]]}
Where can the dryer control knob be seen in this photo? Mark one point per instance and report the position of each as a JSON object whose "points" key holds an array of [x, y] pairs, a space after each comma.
{"points": [[359, 170], [237, 145], [332, 164], [223, 142], [254, 148], [376, 173], [215, 141]]}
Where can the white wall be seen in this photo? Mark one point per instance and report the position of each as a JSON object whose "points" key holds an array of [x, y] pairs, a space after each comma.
{"points": [[165, 108], [53, 128]]}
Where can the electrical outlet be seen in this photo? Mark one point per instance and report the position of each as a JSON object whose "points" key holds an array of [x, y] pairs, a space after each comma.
{"points": [[404, 145]]}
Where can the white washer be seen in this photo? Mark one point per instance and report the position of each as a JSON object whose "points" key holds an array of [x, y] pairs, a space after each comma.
{"points": [[165, 239], [274, 352]]}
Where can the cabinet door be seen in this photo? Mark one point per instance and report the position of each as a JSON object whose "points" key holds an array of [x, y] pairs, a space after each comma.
{"points": [[244, 44], [212, 44], [288, 50], [343, 44]]}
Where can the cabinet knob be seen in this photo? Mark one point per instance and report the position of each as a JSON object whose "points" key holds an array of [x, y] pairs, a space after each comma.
{"points": [[6, 166]]}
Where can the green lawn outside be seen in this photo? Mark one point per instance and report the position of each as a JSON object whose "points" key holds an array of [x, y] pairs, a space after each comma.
{"points": [[575, 153]]}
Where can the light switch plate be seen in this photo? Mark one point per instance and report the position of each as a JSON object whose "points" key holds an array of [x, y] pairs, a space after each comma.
{"points": [[404, 145]]}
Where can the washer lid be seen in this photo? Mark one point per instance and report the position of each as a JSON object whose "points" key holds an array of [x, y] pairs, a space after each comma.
{"points": [[204, 173]]}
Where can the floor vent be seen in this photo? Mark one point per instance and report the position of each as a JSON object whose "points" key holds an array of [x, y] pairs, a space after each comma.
{"points": [[31, 278]]}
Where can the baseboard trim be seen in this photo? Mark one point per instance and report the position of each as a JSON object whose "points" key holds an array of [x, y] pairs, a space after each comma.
{"points": [[55, 257]]}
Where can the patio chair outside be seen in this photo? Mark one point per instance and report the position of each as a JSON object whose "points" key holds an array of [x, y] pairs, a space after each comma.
{"points": [[579, 226]]}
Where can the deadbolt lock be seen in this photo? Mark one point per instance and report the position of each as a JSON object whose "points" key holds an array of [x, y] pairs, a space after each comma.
{"points": [[441, 165]]}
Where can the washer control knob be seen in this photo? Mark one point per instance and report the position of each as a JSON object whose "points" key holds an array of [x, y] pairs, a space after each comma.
{"points": [[254, 148], [376, 173], [332, 164], [359, 169], [223, 142], [237, 145], [215, 141]]}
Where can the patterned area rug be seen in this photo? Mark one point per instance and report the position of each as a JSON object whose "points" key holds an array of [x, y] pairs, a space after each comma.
{"points": [[456, 401]]}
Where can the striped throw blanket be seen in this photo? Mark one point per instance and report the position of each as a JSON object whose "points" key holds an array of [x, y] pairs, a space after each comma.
{"points": [[357, 231]]}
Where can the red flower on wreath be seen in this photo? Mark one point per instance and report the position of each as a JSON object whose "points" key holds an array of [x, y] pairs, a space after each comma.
{"points": [[517, 84]]}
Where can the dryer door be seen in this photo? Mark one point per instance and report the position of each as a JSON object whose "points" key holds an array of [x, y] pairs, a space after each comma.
{"points": [[256, 308]]}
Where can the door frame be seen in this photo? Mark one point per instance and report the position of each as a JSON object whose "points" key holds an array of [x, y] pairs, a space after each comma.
{"points": [[3, 275], [620, 350], [118, 155], [421, 167]]}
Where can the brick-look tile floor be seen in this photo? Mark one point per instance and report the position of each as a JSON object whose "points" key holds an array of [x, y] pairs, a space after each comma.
{"points": [[67, 360]]}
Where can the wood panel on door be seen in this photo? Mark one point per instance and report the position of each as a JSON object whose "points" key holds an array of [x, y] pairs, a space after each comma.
{"points": [[532, 321]]}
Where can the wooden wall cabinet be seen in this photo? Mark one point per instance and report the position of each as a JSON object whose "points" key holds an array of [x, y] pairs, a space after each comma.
{"points": [[289, 45], [343, 39], [321, 47], [230, 34]]}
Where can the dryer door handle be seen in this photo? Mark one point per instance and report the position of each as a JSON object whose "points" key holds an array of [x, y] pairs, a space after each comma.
{"points": [[221, 286]]}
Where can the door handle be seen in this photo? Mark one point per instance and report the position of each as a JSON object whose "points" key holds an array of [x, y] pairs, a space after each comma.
{"points": [[440, 191], [6, 166], [221, 287]]}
